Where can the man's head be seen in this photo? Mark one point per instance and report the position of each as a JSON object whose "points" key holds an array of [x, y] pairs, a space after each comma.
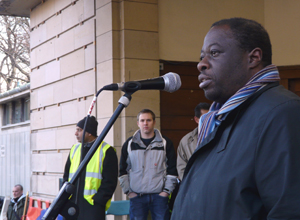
{"points": [[201, 109], [233, 51], [17, 191], [146, 123], [250, 34], [91, 129]]}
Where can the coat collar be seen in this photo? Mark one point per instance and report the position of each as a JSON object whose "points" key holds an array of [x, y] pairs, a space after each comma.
{"points": [[226, 127]]}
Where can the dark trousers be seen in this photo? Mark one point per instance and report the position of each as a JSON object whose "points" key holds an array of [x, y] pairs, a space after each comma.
{"points": [[141, 204]]}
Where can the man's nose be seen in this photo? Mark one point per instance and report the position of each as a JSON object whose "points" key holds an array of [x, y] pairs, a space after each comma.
{"points": [[203, 65]]}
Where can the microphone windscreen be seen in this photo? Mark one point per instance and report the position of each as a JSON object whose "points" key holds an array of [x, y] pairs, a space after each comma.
{"points": [[172, 82]]}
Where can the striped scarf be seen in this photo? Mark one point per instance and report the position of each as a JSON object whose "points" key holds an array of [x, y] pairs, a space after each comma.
{"points": [[209, 121]]}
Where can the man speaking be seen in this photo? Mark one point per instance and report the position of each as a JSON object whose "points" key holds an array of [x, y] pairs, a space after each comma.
{"points": [[246, 165]]}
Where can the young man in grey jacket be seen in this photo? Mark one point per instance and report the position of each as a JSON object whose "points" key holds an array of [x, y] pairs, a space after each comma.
{"points": [[148, 170]]}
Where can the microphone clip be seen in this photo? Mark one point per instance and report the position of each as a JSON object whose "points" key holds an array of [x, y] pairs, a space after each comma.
{"points": [[131, 86]]}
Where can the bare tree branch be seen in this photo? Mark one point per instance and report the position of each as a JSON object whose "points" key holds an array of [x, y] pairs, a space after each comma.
{"points": [[14, 52]]}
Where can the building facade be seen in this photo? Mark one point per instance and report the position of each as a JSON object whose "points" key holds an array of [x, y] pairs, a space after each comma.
{"points": [[78, 46], [15, 139]]}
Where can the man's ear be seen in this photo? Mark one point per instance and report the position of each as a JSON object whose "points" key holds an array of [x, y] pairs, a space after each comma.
{"points": [[196, 119], [255, 57]]}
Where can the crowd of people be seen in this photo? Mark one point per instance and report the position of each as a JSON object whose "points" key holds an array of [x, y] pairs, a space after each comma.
{"points": [[240, 162], [147, 169]]}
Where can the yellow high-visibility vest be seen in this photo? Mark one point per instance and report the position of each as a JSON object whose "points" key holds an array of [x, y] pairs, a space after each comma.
{"points": [[93, 176]]}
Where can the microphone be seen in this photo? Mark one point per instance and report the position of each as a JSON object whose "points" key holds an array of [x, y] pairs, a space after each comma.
{"points": [[169, 82]]}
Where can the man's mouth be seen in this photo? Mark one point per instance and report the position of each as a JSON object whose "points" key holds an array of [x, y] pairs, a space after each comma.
{"points": [[204, 83]]}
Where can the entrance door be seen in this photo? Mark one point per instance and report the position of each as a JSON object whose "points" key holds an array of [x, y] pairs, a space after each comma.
{"points": [[177, 109], [290, 78]]}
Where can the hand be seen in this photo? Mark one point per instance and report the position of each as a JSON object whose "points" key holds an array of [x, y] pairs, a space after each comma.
{"points": [[164, 194], [132, 195]]}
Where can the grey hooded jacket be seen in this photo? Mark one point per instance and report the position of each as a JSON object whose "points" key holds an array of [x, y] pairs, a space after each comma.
{"points": [[150, 169]]}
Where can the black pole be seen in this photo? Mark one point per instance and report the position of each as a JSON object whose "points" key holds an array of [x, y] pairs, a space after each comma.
{"points": [[61, 204]]}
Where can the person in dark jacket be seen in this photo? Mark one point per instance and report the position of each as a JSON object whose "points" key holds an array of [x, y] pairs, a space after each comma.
{"points": [[1, 203], [17, 204], [99, 179], [246, 164]]}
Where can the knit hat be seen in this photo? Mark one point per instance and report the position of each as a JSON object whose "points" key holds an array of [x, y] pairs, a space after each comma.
{"points": [[91, 126]]}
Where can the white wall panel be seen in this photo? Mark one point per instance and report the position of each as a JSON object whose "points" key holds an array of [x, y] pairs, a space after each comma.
{"points": [[64, 43], [15, 160], [72, 64], [84, 34]]}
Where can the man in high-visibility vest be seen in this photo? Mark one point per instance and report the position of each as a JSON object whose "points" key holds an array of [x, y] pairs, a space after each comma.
{"points": [[98, 181]]}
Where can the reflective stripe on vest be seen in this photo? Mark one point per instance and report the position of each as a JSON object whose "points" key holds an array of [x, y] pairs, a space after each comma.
{"points": [[94, 170]]}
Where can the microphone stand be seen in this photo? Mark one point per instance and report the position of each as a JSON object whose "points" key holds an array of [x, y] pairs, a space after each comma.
{"points": [[61, 204]]}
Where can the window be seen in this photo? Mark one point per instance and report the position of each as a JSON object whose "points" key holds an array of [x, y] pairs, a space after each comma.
{"points": [[26, 109], [16, 111], [7, 113]]}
